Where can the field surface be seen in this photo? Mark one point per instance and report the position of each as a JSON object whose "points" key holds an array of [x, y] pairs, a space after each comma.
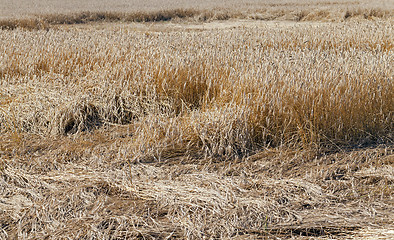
{"points": [[196, 120]]}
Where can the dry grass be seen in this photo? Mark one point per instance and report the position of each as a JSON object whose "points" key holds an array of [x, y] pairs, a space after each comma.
{"points": [[325, 86], [32, 15], [77, 188], [126, 130], [192, 15], [20, 8]]}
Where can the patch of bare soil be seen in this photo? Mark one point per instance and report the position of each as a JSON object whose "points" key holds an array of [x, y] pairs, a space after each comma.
{"points": [[84, 187]]}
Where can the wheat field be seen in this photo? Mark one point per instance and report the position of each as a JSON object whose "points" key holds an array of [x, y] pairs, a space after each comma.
{"points": [[208, 120]]}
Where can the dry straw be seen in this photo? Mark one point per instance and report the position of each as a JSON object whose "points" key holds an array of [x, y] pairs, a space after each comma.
{"points": [[225, 132], [302, 85]]}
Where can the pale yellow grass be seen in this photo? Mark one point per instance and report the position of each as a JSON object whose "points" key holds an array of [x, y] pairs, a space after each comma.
{"points": [[322, 85], [44, 14], [18, 8], [197, 129]]}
